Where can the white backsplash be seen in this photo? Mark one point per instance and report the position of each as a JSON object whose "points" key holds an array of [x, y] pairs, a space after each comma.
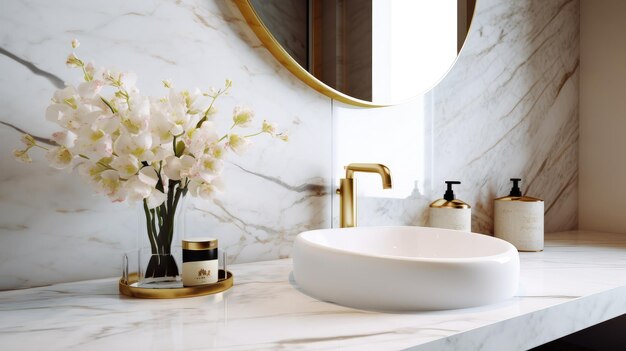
{"points": [[509, 107]]}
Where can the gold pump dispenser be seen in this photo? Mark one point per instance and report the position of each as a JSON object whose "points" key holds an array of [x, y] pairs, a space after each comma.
{"points": [[450, 212]]}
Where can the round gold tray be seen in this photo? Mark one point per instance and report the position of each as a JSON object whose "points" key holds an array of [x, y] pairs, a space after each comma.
{"points": [[224, 283]]}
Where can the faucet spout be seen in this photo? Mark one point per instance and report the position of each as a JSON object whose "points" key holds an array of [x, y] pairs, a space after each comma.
{"points": [[347, 190], [384, 172]]}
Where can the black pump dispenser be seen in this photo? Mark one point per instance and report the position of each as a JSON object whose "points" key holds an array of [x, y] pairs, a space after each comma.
{"points": [[449, 195], [516, 191]]}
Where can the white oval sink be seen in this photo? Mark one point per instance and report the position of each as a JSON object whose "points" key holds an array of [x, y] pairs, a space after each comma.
{"points": [[404, 268]]}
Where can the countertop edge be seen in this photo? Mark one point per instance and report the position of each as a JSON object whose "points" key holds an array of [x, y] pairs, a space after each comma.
{"points": [[546, 324]]}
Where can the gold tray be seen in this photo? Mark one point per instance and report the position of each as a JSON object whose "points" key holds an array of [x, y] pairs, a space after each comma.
{"points": [[224, 283]]}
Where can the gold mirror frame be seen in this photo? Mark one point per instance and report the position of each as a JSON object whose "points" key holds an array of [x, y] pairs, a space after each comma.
{"points": [[273, 46]]}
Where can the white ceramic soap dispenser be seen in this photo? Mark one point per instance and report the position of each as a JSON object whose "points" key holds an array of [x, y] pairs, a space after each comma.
{"points": [[450, 213], [519, 219]]}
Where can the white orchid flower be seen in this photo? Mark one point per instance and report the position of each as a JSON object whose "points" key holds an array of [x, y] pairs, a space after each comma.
{"points": [[201, 139], [124, 80], [127, 165], [176, 102], [28, 140], [206, 168], [160, 124], [149, 176], [106, 122], [128, 80], [95, 144], [242, 116], [86, 115], [155, 199], [92, 170], [73, 118], [182, 112], [137, 118], [89, 90], [61, 114], [177, 129], [176, 168], [110, 184], [65, 138], [73, 61], [22, 155], [237, 143], [194, 101], [136, 189], [138, 145], [216, 150], [96, 73], [162, 151], [202, 189], [67, 95], [59, 157], [269, 128], [142, 186]]}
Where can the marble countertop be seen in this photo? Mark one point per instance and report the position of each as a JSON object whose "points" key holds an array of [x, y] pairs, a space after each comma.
{"points": [[578, 281]]}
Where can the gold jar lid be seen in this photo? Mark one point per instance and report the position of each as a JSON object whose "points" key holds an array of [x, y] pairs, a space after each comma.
{"points": [[443, 203], [519, 198], [199, 244]]}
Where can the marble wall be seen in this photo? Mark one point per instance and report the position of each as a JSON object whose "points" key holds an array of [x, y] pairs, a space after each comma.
{"points": [[53, 229], [509, 107]]}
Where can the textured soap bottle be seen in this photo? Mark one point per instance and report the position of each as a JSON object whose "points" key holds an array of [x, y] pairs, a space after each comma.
{"points": [[519, 219], [451, 213]]}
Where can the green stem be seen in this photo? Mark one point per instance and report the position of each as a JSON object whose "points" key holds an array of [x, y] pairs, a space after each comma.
{"points": [[253, 135], [98, 162], [108, 104], [153, 220], [86, 74], [172, 213], [153, 245], [159, 216], [206, 112], [163, 214]]}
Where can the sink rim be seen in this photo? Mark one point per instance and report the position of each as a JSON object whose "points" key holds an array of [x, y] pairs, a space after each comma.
{"points": [[504, 255]]}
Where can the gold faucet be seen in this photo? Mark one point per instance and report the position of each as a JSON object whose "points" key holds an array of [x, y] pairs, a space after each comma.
{"points": [[347, 190]]}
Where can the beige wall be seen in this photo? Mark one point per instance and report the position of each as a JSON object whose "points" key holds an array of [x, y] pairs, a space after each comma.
{"points": [[602, 182]]}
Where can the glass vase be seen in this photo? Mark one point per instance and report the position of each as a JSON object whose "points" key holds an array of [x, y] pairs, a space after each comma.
{"points": [[161, 230]]}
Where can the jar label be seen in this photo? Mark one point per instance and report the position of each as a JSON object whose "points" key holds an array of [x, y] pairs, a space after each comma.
{"points": [[200, 272], [451, 218], [520, 223]]}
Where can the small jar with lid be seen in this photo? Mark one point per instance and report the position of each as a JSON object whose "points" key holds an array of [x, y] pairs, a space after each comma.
{"points": [[200, 262], [518, 219]]}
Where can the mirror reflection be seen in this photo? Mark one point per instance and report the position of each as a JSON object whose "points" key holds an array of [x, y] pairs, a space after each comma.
{"points": [[379, 51]]}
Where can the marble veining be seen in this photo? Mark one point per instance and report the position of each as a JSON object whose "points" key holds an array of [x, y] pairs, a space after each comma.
{"points": [[579, 280], [51, 222], [514, 111], [507, 108]]}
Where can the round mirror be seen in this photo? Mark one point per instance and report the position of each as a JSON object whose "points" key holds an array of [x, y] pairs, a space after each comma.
{"points": [[363, 52]]}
